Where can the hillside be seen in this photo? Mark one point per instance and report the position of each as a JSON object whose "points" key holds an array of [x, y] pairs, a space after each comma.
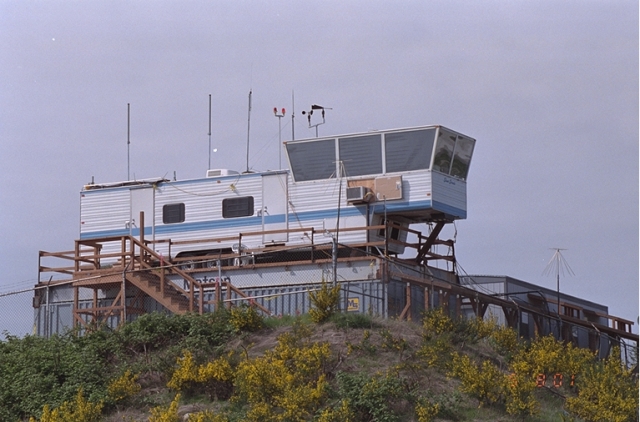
{"points": [[236, 366]]}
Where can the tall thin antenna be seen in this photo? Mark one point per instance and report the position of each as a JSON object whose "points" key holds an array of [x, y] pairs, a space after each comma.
{"points": [[248, 129], [293, 116], [209, 132], [128, 140], [558, 265]]}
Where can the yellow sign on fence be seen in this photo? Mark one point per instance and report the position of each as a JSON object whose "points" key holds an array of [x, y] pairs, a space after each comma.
{"points": [[353, 304]]}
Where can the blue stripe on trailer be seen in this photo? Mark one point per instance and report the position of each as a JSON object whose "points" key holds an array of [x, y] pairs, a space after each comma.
{"points": [[279, 218]]}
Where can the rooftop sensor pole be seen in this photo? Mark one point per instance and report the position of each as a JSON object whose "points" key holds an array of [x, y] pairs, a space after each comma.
{"points": [[310, 113], [279, 116]]}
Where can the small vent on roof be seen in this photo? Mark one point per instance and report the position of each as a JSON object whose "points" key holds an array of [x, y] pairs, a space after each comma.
{"points": [[221, 172]]}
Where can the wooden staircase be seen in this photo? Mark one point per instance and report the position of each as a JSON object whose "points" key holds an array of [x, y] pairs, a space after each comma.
{"points": [[168, 295]]}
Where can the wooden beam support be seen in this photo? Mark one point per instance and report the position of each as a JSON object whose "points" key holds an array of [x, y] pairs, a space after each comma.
{"points": [[406, 312], [430, 241]]}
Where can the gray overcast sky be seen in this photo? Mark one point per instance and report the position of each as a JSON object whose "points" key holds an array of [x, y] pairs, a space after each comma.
{"points": [[548, 88]]}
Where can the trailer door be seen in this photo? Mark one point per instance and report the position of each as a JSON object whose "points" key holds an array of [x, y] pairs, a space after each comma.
{"points": [[142, 200], [274, 207]]}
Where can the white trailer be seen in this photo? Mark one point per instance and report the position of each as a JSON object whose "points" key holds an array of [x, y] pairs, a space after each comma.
{"points": [[402, 176]]}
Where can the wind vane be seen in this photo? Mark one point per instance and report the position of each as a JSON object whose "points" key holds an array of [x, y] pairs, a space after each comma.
{"points": [[310, 113]]}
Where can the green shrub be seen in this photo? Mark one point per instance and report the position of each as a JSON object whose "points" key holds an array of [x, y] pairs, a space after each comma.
{"points": [[353, 320], [370, 397]]}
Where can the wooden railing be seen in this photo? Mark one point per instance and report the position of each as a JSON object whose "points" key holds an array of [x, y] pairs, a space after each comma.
{"points": [[89, 255]]}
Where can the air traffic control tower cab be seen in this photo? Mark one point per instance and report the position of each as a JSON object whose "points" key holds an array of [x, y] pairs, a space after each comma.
{"points": [[416, 174], [402, 176]]}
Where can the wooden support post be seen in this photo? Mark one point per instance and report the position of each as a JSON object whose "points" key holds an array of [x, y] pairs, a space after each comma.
{"points": [[123, 302], [483, 309], [201, 301], [313, 249], [191, 288], [444, 302], [123, 251], [406, 312], [75, 306], [76, 264], [142, 227], [218, 293]]}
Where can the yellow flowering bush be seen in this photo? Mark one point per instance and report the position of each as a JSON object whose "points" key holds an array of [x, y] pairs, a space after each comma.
{"points": [[435, 323], [245, 318], [123, 387], [425, 411], [485, 382], [166, 413], [216, 376], [505, 340], [435, 352], [364, 345], [287, 383], [483, 328], [608, 392], [519, 398], [324, 302], [341, 413], [390, 342], [80, 410], [208, 416]]}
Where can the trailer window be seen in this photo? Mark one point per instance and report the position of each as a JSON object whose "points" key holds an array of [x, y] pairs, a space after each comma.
{"points": [[173, 213], [237, 207], [444, 151], [312, 160], [361, 155], [406, 151], [462, 157]]}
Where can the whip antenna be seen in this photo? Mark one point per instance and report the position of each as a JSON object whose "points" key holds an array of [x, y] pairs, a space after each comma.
{"points": [[209, 132], [128, 140], [248, 129]]}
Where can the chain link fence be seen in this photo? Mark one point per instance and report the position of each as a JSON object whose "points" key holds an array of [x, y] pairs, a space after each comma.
{"points": [[16, 310], [279, 283]]}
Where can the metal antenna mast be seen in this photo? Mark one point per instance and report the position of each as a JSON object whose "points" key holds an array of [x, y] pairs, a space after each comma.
{"points": [[248, 129], [293, 115], [208, 168], [128, 140], [558, 265]]}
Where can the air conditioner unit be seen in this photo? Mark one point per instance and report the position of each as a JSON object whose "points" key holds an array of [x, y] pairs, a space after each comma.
{"points": [[359, 194]]}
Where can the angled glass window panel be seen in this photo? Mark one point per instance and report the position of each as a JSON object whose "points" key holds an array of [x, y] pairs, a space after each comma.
{"points": [[361, 155], [444, 151], [406, 151], [237, 207], [173, 213], [462, 156], [312, 160]]}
